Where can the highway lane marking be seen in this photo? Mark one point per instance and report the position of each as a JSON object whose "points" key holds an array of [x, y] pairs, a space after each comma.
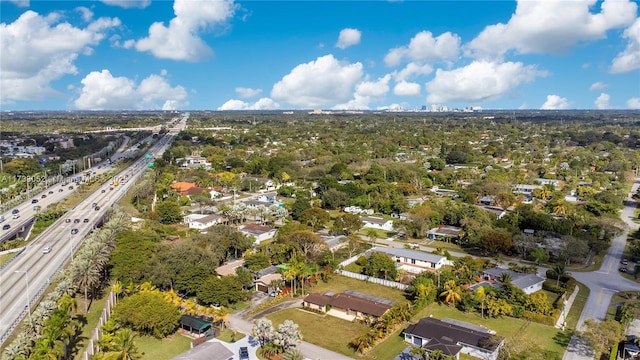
{"points": [[599, 296]]}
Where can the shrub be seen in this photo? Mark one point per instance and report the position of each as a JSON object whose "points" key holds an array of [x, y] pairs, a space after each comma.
{"points": [[539, 318], [362, 261], [550, 285]]}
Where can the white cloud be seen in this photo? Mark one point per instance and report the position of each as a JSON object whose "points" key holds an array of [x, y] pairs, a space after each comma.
{"points": [[128, 3], [598, 86], [365, 93], [37, 50], [404, 88], [479, 81], [629, 59], [318, 83], [244, 92], [348, 37], [262, 104], [87, 14], [552, 26], [633, 103], [603, 101], [555, 102], [423, 47], [20, 3], [181, 40], [412, 69], [103, 91]]}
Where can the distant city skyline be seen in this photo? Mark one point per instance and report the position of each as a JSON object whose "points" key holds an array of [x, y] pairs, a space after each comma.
{"points": [[330, 55]]}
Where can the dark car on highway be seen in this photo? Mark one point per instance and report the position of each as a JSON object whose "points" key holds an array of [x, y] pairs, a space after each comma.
{"points": [[15, 211], [6, 227], [74, 231]]}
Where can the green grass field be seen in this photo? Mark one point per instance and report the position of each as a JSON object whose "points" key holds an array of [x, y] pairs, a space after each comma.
{"points": [[93, 316], [543, 335], [578, 305], [6, 257], [340, 283], [324, 330], [162, 349]]}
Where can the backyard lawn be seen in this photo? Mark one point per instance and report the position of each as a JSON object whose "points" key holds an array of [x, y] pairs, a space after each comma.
{"points": [[162, 349], [340, 283], [324, 330], [543, 335]]}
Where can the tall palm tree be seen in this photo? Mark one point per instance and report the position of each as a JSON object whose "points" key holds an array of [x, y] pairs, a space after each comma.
{"points": [[86, 275], [125, 346], [560, 270], [451, 292]]}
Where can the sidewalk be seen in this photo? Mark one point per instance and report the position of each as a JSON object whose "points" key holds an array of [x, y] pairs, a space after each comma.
{"points": [[560, 323]]}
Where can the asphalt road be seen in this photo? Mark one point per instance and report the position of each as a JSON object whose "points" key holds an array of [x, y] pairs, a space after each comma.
{"points": [[23, 279], [604, 282]]}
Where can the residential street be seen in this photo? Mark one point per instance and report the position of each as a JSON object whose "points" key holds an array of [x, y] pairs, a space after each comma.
{"points": [[604, 282]]}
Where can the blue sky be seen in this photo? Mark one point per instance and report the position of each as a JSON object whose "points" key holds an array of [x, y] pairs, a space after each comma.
{"points": [[268, 55]]}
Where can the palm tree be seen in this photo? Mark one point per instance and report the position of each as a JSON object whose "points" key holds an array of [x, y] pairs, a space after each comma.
{"points": [[125, 346], [117, 289], [86, 276], [505, 278], [451, 292], [560, 270], [363, 342], [418, 351], [372, 234], [481, 296]]}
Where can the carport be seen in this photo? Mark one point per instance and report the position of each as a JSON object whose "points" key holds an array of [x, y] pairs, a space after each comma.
{"points": [[194, 325]]}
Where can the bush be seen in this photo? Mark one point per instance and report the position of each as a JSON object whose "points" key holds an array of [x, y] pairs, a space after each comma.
{"points": [[362, 261], [149, 313], [539, 318], [550, 285]]}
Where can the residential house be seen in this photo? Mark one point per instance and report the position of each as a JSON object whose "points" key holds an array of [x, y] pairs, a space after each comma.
{"points": [[229, 268], [264, 279], [207, 351], [267, 197], [529, 283], [525, 189], [255, 204], [334, 242], [413, 261], [377, 223], [265, 184], [181, 187], [557, 184], [259, 232], [453, 338], [348, 305], [445, 233], [202, 221], [194, 162]]}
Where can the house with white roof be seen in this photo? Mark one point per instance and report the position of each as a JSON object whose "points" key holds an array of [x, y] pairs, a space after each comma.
{"points": [[203, 221], [377, 223], [414, 261], [259, 232], [529, 283]]}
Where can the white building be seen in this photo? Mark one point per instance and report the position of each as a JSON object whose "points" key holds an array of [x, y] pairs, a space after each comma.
{"points": [[377, 223], [202, 221], [414, 261]]}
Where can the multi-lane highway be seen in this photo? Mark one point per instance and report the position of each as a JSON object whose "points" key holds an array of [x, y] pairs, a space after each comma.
{"points": [[23, 279]]}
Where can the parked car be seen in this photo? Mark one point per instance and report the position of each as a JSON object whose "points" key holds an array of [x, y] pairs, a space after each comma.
{"points": [[623, 269], [243, 353], [624, 262]]}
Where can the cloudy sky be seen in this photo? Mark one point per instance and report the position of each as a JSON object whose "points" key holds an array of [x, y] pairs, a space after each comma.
{"points": [[237, 55]]}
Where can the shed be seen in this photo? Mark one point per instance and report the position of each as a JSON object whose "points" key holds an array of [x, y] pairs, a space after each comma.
{"points": [[194, 324]]}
